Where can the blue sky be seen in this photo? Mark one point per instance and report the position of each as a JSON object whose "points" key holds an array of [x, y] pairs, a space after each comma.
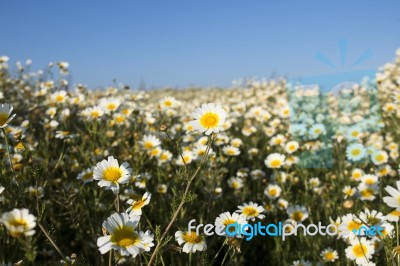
{"points": [[203, 43]]}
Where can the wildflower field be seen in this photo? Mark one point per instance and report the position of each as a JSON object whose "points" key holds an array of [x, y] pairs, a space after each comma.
{"points": [[114, 176]]}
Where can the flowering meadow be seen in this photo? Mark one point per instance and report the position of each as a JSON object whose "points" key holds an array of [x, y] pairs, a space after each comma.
{"points": [[114, 176]]}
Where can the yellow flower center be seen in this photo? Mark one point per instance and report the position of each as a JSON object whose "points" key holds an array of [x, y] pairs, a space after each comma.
{"points": [[292, 147], [3, 119], [359, 250], [380, 157], [297, 216], [367, 193], [275, 163], [191, 238], [111, 106], [59, 98], [168, 103], [356, 175], [370, 181], [87, 176], [209, 120], [250, 211], [348, 192], [354, 134], [329, 256], [395, 212], [230, 152], [383, 171], [120, 119], [273, 191], [356, 152], [138, 204], [155, 152], [186, 159], [112, 174], [317, 131], [228, 222], [148, 145], [353, 225], [18, 222], [163, 157], [95, 114], [125, 237], [201, 152]]}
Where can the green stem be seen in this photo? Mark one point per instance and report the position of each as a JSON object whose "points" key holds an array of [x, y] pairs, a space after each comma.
{"points": [[9, 156], [397, 241], [183, 199]]}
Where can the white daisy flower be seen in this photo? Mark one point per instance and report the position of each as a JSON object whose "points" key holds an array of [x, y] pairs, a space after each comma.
{"points": [[379, 157], [372, 217], [393, 216], [369, 179], [4, 59], [251, 211], [235, 182], [230, 150], [355, 152], [186, 158], [192, 242], [92, 113], [282, 204], [236, 142], [394, 199], [350, 222], [165, 156], [273, 191], [168, 102], [297, 213], [354, 133], [329, 255], [137, 205], [360, 250], [367, 192], [209, 118], [110, 104], [123, 236], [86, 176], [356, 174], [149, 142], [275, 160], [317, 130], [19, 222], [5, 115], [291, 146], [225, 219], [59, 97], [110, 174], [348, 191]]}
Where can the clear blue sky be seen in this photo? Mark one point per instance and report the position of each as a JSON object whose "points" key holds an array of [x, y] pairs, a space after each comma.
{"points": [[181, 43]]}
